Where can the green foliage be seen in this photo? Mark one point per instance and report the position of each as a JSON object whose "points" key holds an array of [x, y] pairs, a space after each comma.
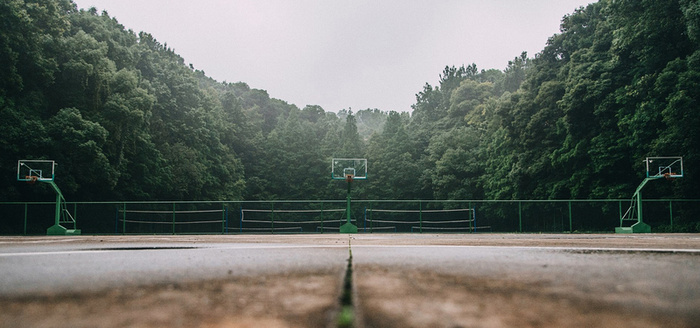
{"points": [[126, 118]]}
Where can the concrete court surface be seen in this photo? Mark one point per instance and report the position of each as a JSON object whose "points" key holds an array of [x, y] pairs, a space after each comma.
{"points": [[398, 280]]}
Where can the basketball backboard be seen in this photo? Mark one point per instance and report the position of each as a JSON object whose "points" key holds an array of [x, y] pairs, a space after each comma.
{"points": [[664, 167], [355, 168], [31, 170]]}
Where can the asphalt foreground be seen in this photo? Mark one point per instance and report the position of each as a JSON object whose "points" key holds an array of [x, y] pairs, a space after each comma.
{"points": [[394, 280]]}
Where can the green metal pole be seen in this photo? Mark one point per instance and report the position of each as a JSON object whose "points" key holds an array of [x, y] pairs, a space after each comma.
{"points": [[470, 217], [57, 217], [223, 218], [59, 197], [520, 215], [420, 215], [124, 219], [272, 222], [25, 219], [57, 229], [571, 226], [640, 226], [670, 212], [619, 206], [173, 218], [639, 207], [371, 220], [347, 208], [348, 227], [321, 217]]}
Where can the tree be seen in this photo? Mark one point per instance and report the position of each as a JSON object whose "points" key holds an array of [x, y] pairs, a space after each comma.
{"points": [[351, 142], [85, 168]]}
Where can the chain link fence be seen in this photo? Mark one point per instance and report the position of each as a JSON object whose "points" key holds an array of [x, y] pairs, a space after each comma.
{"points": [[370, 216]]}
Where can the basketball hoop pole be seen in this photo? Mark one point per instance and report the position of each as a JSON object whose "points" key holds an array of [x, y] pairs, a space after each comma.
{"points": [[43, 171], [667, 170], [57, 228], [640, 226], [348, 227], [348, 169]]}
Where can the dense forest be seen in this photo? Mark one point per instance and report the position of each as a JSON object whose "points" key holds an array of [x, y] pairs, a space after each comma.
{"points": [[127, 119]]}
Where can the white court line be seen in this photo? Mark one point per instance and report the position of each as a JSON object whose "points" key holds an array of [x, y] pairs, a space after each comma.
{"points": [[49, 253], [603, 250], [163, 248], [550, 248], [39, 241]]}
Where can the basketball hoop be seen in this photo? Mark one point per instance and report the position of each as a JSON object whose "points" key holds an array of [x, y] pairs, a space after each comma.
{"points": [[349, 177], [31, 179], [668, 176]]}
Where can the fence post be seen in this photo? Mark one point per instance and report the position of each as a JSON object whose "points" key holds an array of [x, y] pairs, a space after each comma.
{"points": [[371, 221], [520, 215], [571, 227], [670, 212], [124, 219], [470, 210], [25, 218], [420, 215], [322, 217], [173, 218], [364, 221], [619, 205], [272, 221], [224, 219]]}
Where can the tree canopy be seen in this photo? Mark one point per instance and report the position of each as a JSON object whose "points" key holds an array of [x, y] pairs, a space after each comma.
{"points": [[127, 119]]}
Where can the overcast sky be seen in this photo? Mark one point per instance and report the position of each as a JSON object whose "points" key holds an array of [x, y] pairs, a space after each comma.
{"points": [[342, 54]]}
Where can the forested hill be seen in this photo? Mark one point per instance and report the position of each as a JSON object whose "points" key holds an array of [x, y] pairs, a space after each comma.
{"points": [[127, 119]]}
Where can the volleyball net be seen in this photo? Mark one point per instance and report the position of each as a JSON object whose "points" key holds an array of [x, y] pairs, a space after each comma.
{"points": [[453, 220], [293, 217], [171, 218], [290, 220], [378, 216]]}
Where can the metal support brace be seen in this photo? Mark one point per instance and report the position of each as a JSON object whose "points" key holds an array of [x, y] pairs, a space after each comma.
{"points": [[61, 211], [640, 226]]}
